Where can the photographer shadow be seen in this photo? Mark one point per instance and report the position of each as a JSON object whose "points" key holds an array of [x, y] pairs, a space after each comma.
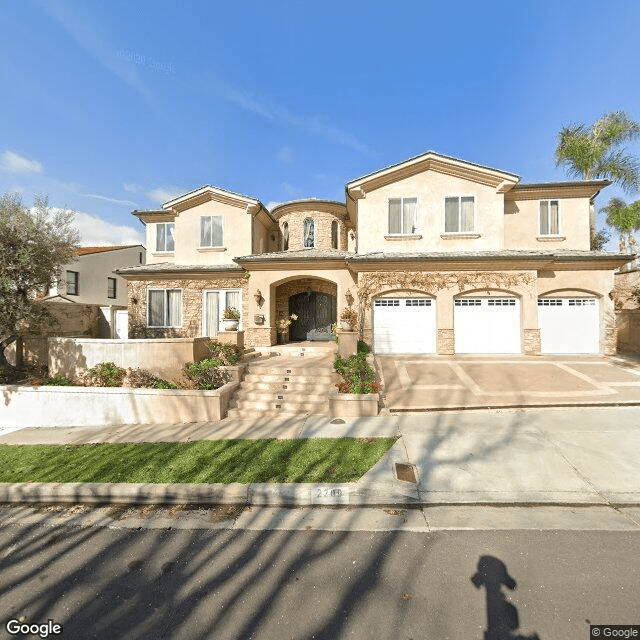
{"points": [[502, 616]]}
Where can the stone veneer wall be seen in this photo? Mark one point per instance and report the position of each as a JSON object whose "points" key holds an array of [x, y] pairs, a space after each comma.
{"points": [[192, 289], [322, 220], [445, 342], [610, 338], [531, 342]]}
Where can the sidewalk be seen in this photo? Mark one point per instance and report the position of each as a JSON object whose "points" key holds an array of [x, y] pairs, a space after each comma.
{"points": [[582, 456]]}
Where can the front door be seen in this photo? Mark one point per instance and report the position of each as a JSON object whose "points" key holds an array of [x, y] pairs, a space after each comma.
{"points": [[316, 312]]}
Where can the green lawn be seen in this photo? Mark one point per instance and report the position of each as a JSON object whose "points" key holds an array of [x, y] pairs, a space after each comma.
{"points": [[314, 460]]}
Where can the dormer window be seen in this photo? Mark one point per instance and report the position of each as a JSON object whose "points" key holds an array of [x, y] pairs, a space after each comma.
{"points": [[165, 241], [285, 236], [334, 234], [403, 216], [549, 218], [309, 233], [211, 232]]}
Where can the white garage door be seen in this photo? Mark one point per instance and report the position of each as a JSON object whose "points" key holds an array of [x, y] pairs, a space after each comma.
{"points": [[569, 325], [487, 325], [404, 325]]}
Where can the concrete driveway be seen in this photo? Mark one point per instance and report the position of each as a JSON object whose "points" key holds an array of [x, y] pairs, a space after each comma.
{"points": [[416, 383]]}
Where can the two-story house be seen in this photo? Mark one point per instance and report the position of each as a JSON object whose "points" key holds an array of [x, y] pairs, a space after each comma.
{"points": [[437, 255]]}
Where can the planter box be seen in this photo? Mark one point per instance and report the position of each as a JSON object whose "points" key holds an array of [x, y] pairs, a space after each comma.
{"points": [[353, 405], [101, 406]]}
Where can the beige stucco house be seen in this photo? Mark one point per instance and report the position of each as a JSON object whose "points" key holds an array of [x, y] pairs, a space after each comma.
{"points": [[436, 254]]}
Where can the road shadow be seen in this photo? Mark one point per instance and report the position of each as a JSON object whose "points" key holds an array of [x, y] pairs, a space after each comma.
{"points": [[502, 615]]}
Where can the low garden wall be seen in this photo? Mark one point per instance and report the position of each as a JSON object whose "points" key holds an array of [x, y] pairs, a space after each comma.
{"points": [[104, 406], [73, 356]]}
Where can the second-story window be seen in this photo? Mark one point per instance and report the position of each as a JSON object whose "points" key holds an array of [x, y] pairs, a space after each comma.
{"points": [[459, 214], [549, 218], [111, 287], [165, 232], [211, 232], [73, 283], [285, 236], [334, 234], [403, 216], [309, 233]]}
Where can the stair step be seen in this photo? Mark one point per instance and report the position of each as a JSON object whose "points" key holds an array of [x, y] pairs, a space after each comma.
{"points": [[289, 405], [281, 395], [319, 378], [291, 386]]}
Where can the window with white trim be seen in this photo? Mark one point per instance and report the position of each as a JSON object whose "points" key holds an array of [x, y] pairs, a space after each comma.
{"points": [[111, 287], [165, 237], [459, 214], [73, 283], [211, 232], [549, 220], [164, 308], [403, 216]]}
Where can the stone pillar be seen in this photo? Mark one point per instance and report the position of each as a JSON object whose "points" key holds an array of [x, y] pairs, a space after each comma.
{"points": [[445, 345], [347, 343], [531, 342]]}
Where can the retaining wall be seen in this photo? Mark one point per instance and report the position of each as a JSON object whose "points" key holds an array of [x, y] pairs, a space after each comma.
{"points": [[163, 356], [102, 406]]}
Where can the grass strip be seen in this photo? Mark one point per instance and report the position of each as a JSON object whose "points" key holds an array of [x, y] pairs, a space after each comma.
{"points": [[205, 461]]}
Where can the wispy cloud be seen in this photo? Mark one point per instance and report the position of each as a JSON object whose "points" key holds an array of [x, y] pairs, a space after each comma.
{"points": [[285, 155], [272, 204], [159, 194], [270, 110], [95, 231], [78, 26], [128, 203], [162, 194], [11, 162]]}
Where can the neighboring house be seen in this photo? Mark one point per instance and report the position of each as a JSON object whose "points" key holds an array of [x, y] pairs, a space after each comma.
{"points": [[438, 255], [91, 278]]}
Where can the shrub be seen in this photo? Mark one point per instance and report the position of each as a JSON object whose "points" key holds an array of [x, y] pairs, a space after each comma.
{"points": [[358, 376], [231, 313], [57, 381], [350, 316], [143, 379], [227, 353], [104, 374], [206, 374], [363, 347]]}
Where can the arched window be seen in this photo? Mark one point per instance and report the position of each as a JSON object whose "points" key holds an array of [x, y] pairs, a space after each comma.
{"points": [[309, 233], [334, 234], [285, 236]]}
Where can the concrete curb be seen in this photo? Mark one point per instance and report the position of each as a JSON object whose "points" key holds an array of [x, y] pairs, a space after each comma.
{"points": [[286, 495], [262, 494]]}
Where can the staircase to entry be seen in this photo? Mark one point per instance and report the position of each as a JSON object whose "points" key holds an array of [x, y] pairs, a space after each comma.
{"points": [[296, 380]]}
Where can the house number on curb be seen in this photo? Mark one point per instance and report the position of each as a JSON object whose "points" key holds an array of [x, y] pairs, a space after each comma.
{"points": [[329, 495]]}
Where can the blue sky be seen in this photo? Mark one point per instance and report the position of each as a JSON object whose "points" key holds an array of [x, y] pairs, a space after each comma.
{"points": [[116, 105]]}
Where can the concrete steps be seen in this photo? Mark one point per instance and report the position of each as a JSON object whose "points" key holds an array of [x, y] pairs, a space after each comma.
{"points": [[286, 385]]}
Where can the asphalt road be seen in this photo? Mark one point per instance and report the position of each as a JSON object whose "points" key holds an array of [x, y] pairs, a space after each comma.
{"points": [[100, 582]]}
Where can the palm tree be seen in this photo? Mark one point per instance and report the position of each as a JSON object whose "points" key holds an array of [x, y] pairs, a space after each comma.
{"points": [[625, 219], [594, 152]]}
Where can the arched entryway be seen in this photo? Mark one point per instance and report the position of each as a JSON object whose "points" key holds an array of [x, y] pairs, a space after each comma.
{"points": [[316, 312], [314, 303]]}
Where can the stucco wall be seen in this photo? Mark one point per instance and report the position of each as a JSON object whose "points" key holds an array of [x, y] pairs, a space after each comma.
{"points": [[521, 225], [236, 236], [80, 406], [94, 269], [431, 188], [164, 357]]}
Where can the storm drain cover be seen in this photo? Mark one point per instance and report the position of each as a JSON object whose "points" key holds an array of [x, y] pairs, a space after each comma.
{"points": [[405, 472]]}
